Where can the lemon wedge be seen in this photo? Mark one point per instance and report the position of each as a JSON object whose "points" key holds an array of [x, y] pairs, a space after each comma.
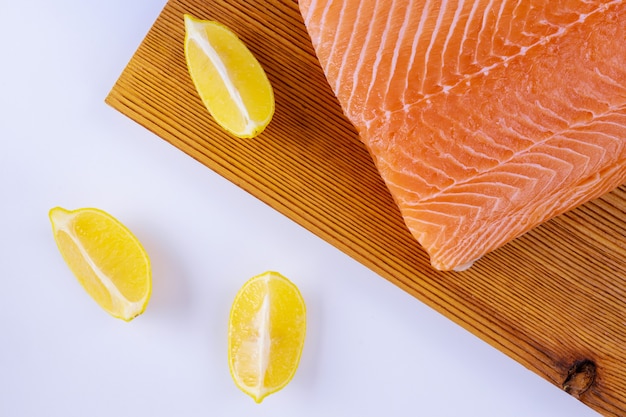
{"points": [[228, 78], [266, 334], [106, 258]]}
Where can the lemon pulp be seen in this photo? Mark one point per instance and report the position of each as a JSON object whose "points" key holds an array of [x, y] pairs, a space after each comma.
{"points": [[228, 78], [266, 334], [106, 258]]}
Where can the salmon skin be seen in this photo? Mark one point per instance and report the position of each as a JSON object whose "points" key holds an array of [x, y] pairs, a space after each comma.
{"points": [[485, 118]]}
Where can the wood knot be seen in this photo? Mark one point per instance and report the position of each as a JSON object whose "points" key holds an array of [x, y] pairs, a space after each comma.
{"points": [[580, 377]]}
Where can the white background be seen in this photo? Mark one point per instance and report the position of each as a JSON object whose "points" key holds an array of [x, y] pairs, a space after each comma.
{"points": [[371, 349]]}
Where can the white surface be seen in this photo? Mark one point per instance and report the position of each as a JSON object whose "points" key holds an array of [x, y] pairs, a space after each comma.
{"points": [[371, 349]]}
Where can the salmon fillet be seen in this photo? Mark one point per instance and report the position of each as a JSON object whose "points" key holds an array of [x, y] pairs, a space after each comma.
{"points": [[485, 118]]}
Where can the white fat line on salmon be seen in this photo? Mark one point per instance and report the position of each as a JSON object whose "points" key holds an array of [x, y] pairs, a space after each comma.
{"points": [[396, 50], [420, 28], [504, 61], [351, 39], [362, 54], [455, 21], [379, 52], [442, 12], [483, 26]]}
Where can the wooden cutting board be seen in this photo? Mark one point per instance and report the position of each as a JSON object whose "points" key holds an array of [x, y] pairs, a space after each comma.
{"points": [[554, 300]]}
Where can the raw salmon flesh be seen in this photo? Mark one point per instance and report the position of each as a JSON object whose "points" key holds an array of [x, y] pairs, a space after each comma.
{"points": [[485, 118]]}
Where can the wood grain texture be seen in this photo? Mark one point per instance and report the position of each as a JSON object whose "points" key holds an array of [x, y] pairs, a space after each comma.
{"points": [[554, 300]]}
